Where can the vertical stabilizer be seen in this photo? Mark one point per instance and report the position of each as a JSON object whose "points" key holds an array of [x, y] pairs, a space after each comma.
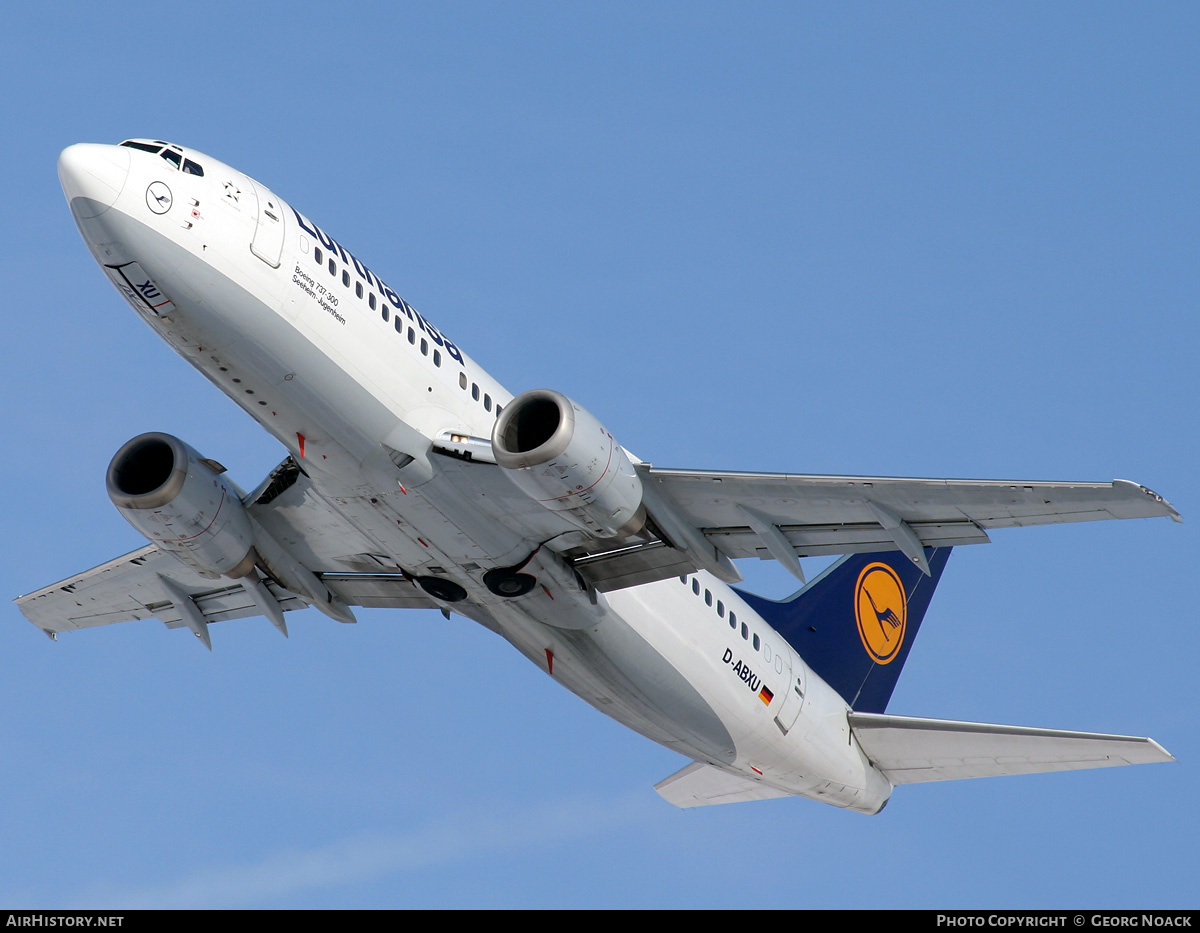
{"points": [[855, 624]]}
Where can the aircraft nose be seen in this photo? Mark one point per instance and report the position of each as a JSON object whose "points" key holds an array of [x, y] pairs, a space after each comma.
{"points": [[92, 176]]}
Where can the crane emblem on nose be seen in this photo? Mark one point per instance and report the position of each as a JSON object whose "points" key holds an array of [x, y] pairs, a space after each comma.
{"points": [[158, 197]]}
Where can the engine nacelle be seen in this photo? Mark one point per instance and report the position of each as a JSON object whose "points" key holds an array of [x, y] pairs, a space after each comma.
{"points": [[557, 453], [182, 503]]}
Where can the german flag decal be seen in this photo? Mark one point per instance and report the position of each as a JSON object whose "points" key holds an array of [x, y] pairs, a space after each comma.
{"points": [[766, 696]]}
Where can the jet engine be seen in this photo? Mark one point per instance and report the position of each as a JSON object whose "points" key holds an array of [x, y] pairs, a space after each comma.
{"points": [[182, 503], [558, 454]]}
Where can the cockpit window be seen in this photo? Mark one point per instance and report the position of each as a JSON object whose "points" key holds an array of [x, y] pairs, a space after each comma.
{"points": [[145, 147], [170, 152]]}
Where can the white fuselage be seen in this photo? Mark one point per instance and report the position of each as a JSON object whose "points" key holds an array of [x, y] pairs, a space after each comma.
{"points": [[345, 374]]}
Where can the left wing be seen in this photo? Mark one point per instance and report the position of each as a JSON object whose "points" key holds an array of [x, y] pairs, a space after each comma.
{"points": [[715, 516]]}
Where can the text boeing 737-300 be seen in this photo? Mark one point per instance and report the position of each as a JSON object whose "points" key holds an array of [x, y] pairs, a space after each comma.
{"points": [[413, 479]]}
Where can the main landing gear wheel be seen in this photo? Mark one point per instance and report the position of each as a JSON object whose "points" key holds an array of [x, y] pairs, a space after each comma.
{"points": [[506, 582], [446, 590]]}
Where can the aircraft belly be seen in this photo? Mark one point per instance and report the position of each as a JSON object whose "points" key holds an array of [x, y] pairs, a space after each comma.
{"points": [[295, 363], [613, 668]]}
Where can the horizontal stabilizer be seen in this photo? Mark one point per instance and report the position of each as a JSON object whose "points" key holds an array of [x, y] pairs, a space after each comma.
{"points": [[912, 751], [701, 785]]}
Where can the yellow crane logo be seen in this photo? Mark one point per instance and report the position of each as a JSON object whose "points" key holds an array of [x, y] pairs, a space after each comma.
{"points": [[881, 610]]}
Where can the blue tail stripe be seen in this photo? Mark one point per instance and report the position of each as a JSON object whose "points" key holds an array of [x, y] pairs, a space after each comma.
{"points": [[819, 622]]}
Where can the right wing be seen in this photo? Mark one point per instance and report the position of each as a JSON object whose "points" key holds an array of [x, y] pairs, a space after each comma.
{"points": [[150, 583], [132, 587]]}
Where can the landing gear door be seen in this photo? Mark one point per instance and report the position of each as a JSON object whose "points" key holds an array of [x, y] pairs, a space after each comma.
{"points": [[267, 244]]}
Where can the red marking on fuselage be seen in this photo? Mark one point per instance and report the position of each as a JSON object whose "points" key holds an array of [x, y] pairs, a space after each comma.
{"points": [[550, 660]]}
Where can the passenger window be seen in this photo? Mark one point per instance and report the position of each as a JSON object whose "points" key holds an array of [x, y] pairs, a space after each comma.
{"points": [[412, 335], [498, 410], [424, 347], [332, 266], [191, 168], [318, 255], [399, 324], [475, 391], [733, 620], [487, 402], [173, 157], [707, 598], [720, 609], [371, 304], [756, 641], [462, 380], [358, 290], [437, 357], [696, 587], [683, 579], [346, 278]]}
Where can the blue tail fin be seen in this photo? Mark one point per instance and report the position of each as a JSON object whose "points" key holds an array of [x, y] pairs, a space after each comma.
{"points": [[855, 623]]}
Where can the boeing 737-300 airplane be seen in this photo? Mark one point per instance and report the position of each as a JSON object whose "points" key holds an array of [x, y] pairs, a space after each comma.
{"points": [[414, 480]]}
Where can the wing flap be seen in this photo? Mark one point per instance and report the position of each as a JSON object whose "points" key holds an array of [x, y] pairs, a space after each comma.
{"points": [[226, 604], [703, 785], [814, 540], [377, 591], [912, 751], [623, 567]]}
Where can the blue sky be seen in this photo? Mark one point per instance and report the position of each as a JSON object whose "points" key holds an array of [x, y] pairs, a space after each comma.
{"points": [[908, 239]]}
